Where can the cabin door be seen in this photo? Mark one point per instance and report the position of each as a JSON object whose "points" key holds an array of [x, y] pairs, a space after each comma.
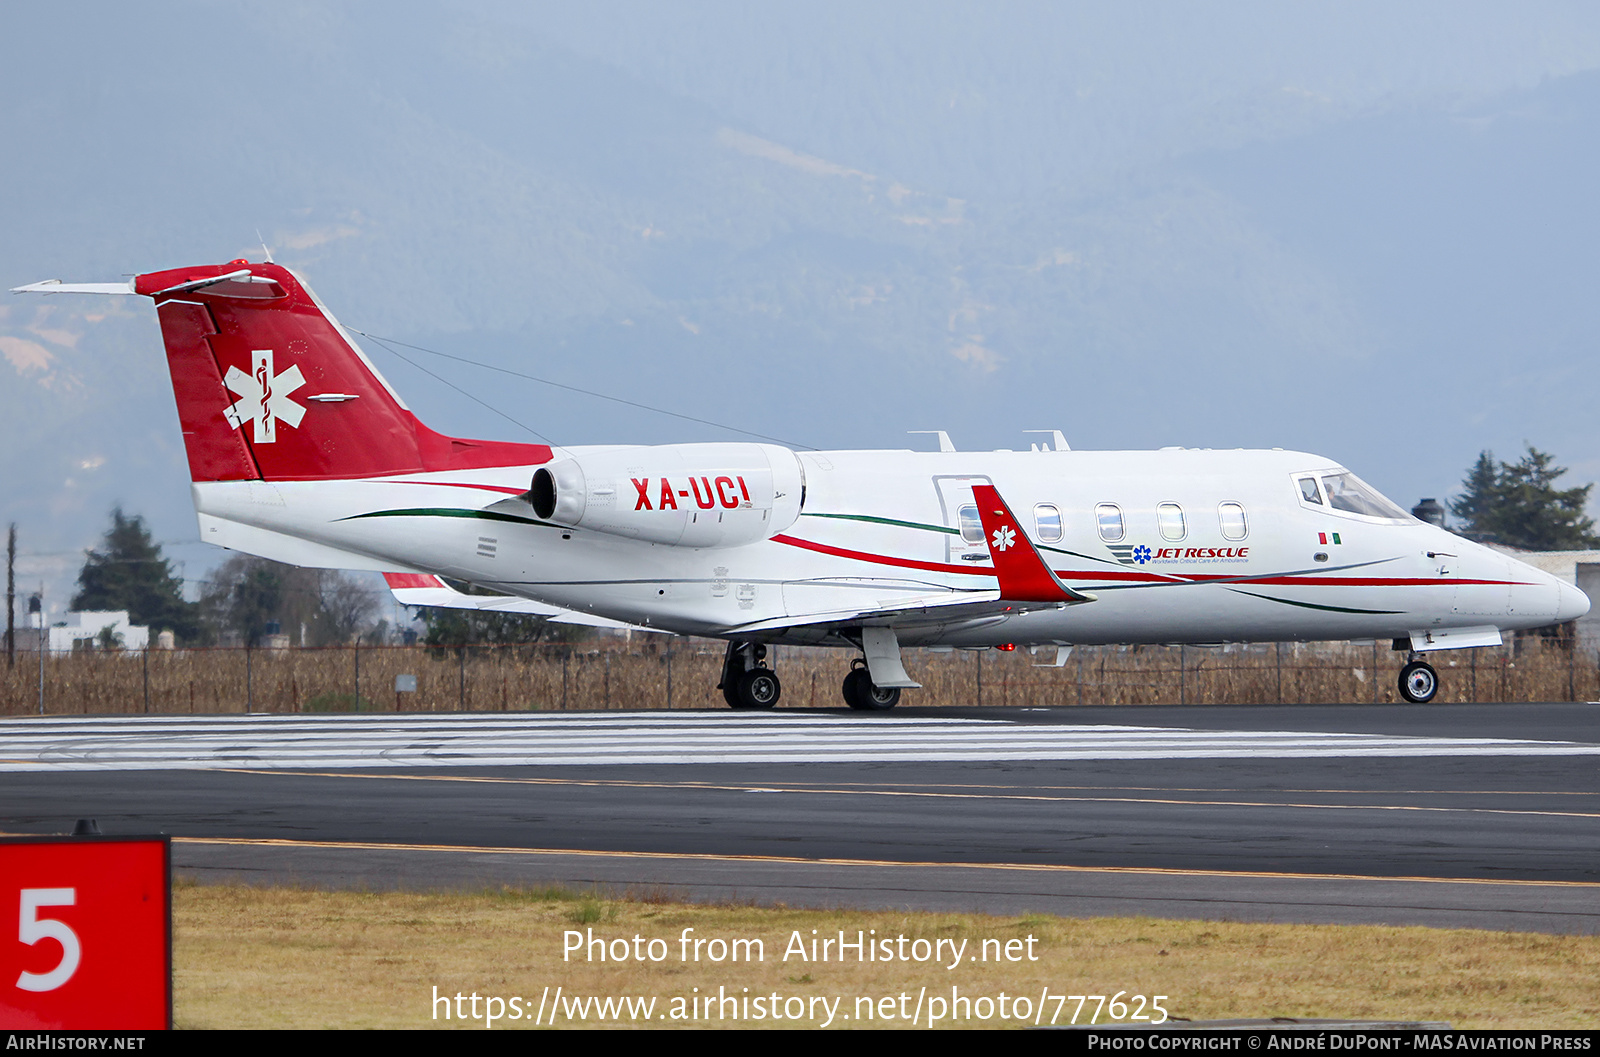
{"points": [[964, 543]]}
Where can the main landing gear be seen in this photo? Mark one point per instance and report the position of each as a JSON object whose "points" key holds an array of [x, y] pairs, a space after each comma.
{"points": [[862, 694], [1418, 682], [747, 682]]}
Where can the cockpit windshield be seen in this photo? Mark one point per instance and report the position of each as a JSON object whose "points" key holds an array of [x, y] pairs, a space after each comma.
{"points": [[1349, 493]]}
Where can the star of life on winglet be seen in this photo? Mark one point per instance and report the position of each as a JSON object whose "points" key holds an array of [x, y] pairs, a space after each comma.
{"points": [[1023, 574]]}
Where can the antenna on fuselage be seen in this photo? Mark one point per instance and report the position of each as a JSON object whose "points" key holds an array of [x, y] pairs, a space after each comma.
{"points": [[264, 247], [1056, 435], [944, 438]]}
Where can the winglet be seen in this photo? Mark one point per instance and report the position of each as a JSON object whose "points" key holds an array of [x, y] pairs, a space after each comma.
{"points": [[1024, 575]]}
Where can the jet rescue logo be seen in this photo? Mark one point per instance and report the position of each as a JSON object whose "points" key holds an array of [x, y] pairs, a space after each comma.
{"points": [[1131, 554], [264, 397], [1004, 538]]}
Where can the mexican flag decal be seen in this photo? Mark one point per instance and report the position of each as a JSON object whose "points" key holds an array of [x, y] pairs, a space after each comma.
{"points": [[1322, 538]]}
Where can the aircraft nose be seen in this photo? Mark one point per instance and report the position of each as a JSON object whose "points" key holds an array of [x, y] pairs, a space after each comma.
{"points": [[1571, 604]]}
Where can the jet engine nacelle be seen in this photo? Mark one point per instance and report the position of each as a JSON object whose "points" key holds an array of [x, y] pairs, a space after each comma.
{"points": [[686, 495]]}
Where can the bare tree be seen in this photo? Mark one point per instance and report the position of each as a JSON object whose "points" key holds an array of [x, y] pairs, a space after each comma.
{"points": [[349, 605], [314, 607]]}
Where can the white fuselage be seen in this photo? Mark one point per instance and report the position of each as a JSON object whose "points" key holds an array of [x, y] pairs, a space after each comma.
{"points": [[1237, 553]]}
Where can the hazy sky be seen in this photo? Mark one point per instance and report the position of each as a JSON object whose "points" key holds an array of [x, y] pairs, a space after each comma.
{"points": [[1365, 230]]}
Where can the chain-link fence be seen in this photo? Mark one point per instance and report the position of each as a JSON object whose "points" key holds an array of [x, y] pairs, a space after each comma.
{"points": [[683, 673]]}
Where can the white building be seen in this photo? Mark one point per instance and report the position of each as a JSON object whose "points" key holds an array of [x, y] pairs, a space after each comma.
{"points": [[91, 624]]}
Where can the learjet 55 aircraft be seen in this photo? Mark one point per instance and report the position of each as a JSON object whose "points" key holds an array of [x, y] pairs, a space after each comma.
{"points": [[299, 451]]}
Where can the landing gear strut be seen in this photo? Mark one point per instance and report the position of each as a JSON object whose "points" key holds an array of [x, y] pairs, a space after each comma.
{"points": [[747, 682], [861, 693], [875, 681], [1418, 682]]}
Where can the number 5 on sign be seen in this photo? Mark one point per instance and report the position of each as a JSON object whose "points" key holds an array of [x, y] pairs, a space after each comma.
{"points": [[31, 929], [92, 948]]}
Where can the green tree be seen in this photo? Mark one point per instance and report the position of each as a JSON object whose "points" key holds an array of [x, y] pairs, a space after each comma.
{"points": [[128, 572], [257, 599], [1518, 505]]}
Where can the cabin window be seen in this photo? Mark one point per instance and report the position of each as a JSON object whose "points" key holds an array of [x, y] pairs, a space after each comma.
{"points": [[1231, 517], [1308, 490], [1108, 516], [1349, 493], [971, 524], [1169, 518], [1047, 523]]}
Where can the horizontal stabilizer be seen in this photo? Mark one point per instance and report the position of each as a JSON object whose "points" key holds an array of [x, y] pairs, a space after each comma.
{"points": [[56, 286], [270, 387], [417, 589], [281, 547]]}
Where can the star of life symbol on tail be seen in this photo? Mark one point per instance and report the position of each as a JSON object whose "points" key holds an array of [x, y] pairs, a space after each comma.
{"points": [[263, 397], [1004, 538]]}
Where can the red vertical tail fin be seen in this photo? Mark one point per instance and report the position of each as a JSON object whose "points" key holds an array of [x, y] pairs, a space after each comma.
{"points": [[270, 386]]}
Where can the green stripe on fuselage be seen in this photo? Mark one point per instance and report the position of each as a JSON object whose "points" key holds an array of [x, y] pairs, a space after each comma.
{"points": [[1313, 605], [871, 520], [436, 511]]}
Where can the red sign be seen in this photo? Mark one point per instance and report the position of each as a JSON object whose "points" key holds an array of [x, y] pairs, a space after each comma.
{"points": [[85, 933]]}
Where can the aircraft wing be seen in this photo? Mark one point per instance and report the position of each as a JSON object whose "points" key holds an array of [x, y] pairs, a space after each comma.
{"points": [[415, 589], [1026, 583], [963, 605]]}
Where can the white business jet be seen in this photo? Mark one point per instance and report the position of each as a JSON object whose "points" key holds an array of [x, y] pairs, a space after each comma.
{"points": [[300, 452]]}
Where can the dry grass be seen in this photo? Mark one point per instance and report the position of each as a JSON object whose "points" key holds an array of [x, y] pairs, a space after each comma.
{"points": [[616, 674], [265, 958]]}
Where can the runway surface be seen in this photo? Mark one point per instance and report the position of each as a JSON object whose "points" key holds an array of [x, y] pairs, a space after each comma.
{"points": [[1480, 816], [675, 738]]}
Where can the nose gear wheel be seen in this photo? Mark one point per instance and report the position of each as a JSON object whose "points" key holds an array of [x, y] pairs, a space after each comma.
{"points": [[1418, 682]]}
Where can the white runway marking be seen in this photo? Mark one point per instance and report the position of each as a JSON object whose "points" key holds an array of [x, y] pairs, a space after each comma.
{"points": [[320, 742]]}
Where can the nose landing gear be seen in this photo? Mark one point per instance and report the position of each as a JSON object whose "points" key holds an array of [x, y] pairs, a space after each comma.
{"points": [[1418, 682]]}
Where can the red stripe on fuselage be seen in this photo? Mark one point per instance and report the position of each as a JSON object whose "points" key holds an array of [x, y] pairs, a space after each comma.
{"points": [[1367, 581], [463, 484], [880, 559], [1278, 580], [1271, 579]]}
